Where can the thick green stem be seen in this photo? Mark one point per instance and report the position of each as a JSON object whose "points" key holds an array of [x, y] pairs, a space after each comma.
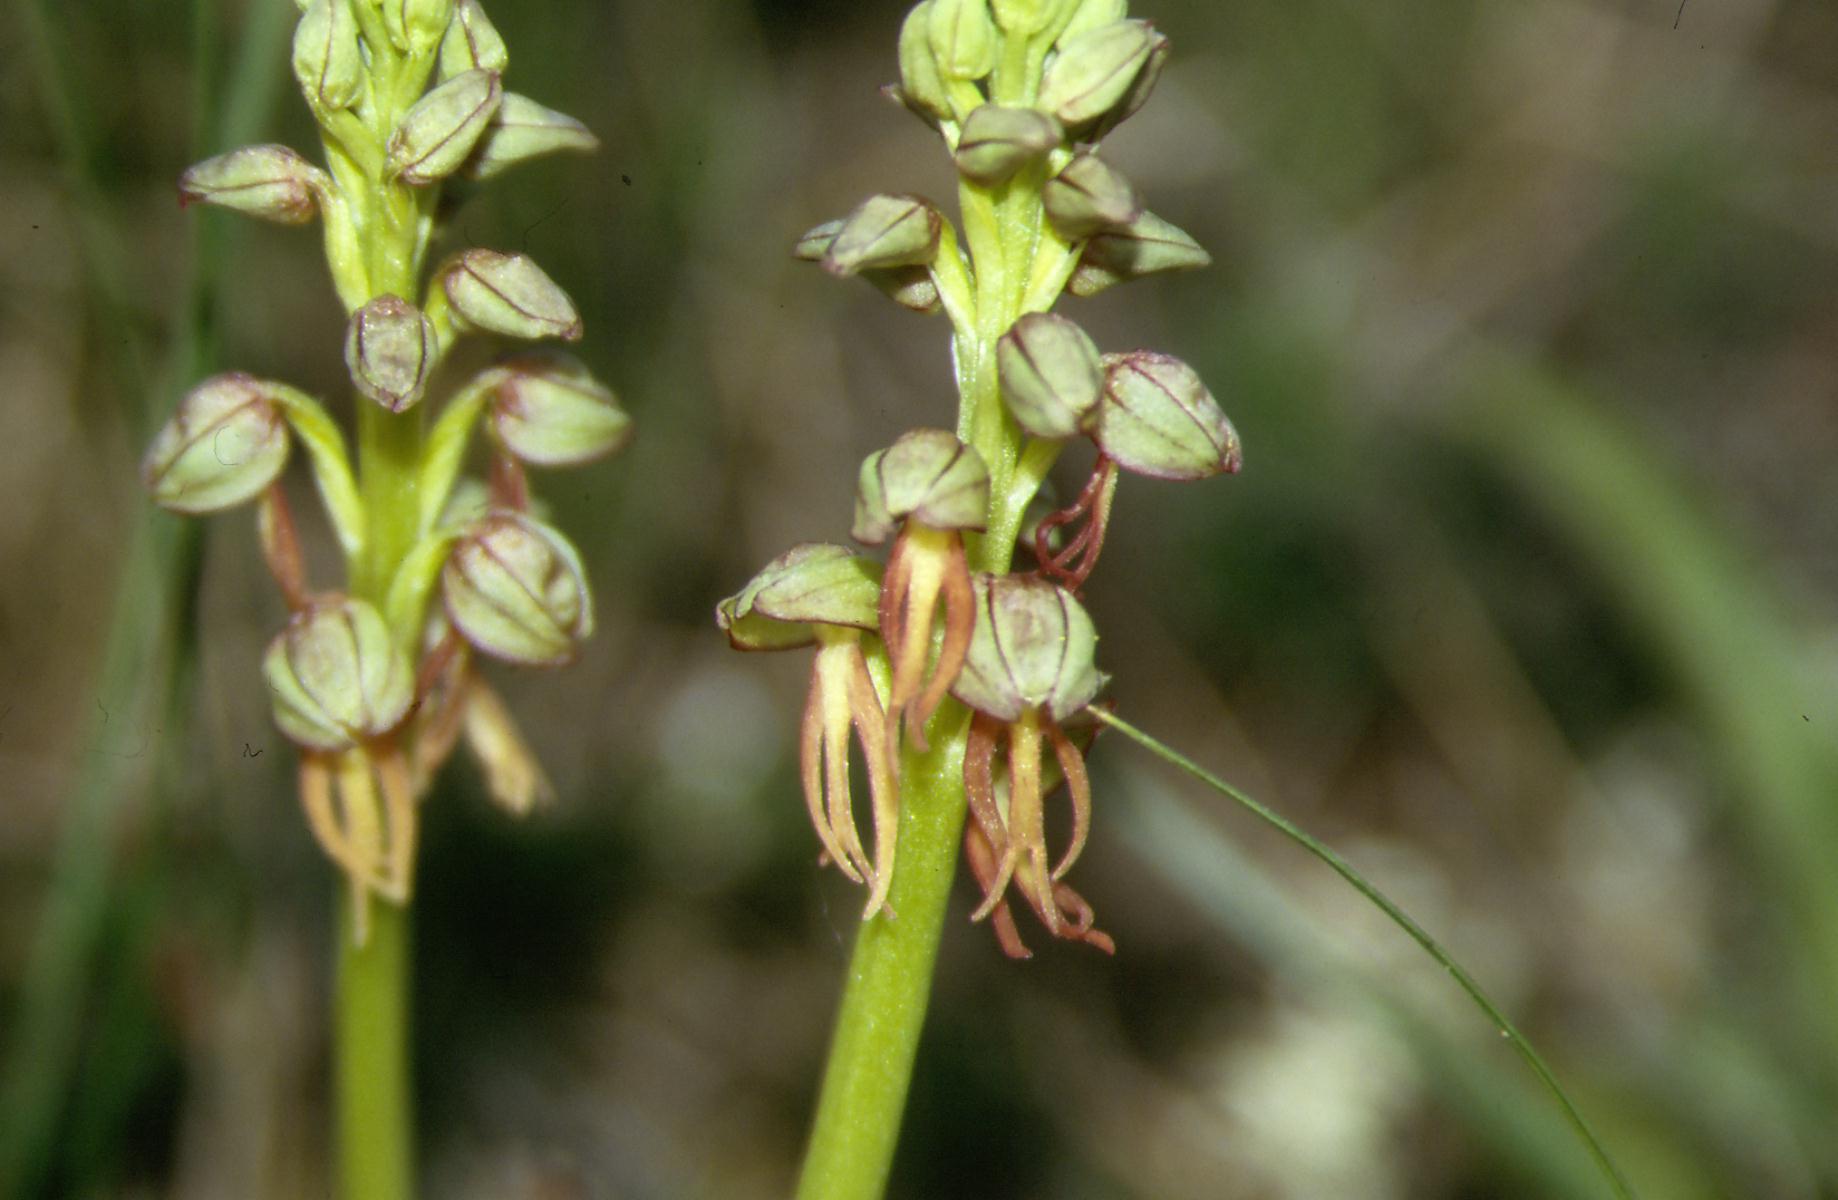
{"points": [[375, 1125], [890, 979]]}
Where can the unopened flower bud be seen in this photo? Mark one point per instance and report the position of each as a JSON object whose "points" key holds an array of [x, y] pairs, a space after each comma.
{"points": [[1032, 649], [1143, 247], [1140, 89], [439, 132], [270, 182], [226, 443], [964, 37], [922, 86], [1089, 196], [1094, 70], [909, 287], [336, 675], [1025, 17], [1051, 375], [885, 231], [1158, 419], [998, 141], [416, 25], [471, 42], [509, 294], [515, 588], [927, 475], [327, 60], [551, 412], [523, 130], [390, 351], [814, 583], [1088, 15]]}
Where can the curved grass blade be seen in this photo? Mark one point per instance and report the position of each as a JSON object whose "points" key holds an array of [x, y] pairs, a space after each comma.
{"points": [[1597, 1151]]}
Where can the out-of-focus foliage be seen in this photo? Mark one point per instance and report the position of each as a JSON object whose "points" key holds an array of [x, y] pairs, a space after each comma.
{"points": [[1523, 598]]}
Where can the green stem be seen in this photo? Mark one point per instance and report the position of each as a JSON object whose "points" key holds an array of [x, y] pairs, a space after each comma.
{"points": [[375, 1133], [890, 979], [1402, 920]]}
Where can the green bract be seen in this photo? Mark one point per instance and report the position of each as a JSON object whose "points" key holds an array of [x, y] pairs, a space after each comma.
{"points": [[270, 182], [1051, 375], [996, 141], [522, 130], [226, 443], [509, 294], [551, 412], [929, 476], [1143, 247], [1156, 418], [336, 675], [516, 590], [390, 350], [814, 583], [1032, 648]]}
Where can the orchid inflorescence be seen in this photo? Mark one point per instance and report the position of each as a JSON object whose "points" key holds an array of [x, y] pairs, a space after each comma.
{"points": [[376, 683], [1022, 92]]}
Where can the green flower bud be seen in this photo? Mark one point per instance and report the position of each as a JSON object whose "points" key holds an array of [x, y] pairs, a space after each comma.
{"points": [[1051, 375], [909, 287], [1088, 197], [814, 583], [1143, 247], [1093, 14], [471, 43], [885, 231], [515, 588], [1094, 70], [963, 37], [270, 182], [1032, 648], [416, 25], [439, 132], [922, 86], [390, 351], [508, 294], [327, 60], [549, 411], [1141, 88], [523, 130], [336, 676], [927, 475], [226, 443], [1156, 418], [1024, 18], [997, 142]]}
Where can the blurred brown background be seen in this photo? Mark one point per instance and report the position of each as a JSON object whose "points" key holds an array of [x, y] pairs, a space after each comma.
{"points": [[1523, 309]]}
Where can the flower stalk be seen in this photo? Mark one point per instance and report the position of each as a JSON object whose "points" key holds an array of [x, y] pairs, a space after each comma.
{"points": [[376, 681]]}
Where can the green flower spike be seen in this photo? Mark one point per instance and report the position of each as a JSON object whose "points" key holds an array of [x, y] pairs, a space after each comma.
{"points": [[930, 488], [1030, 667], [827, 595]]}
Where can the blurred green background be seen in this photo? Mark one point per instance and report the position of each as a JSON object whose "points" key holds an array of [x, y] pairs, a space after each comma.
{"points": [[1523, 309]]}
